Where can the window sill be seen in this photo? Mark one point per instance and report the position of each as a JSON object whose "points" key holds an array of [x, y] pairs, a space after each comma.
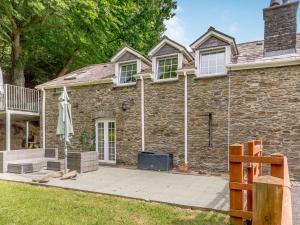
{"points": [[125, 85], [165, 81], [210, 76]]}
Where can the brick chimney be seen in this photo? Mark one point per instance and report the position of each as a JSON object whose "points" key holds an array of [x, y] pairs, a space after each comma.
{"points": [[280, 27]]}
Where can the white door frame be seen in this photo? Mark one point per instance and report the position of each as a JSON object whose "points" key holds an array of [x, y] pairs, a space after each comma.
{"points": [[106, 147]]}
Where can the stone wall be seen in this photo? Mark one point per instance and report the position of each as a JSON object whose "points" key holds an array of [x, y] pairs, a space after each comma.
{"points": [[90, 103], [164, 119], [18, 134], [264, 103], [208, 96]]}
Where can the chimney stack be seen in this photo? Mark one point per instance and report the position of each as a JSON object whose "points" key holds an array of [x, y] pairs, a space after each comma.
{"points": [[280, 27], [286, 1], [275, 3]]}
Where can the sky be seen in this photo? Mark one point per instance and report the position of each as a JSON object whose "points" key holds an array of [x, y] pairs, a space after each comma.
{"points": [[242, 19]]}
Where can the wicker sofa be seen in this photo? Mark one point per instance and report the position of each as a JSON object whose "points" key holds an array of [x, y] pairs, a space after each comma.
{"points": [[27, 160]]}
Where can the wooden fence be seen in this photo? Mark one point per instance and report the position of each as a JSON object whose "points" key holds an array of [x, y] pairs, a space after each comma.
{"points": [[241, 177]]}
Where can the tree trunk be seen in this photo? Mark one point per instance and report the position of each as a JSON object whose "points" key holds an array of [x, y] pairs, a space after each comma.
{"points": [[67, 65], [18, 77], [65, 69]]}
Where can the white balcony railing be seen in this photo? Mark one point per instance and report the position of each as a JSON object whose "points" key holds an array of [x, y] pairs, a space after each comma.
{"points": [[19, 98]]}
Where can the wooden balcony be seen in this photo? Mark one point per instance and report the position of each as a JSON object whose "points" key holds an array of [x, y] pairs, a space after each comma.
{"points": [[19, 99]]}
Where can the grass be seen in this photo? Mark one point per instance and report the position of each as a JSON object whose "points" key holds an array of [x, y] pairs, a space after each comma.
{"points": [[23, 204]]}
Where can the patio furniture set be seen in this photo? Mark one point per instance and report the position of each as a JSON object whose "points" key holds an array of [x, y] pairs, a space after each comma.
{"points": [[34, 160]]}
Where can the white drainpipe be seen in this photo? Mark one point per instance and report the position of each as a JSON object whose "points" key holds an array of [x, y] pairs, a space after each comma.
{"points": [[44, 117], [228, 117], [143, 113], [185, 119]]}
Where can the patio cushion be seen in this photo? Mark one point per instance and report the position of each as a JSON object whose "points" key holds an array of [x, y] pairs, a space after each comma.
{"points": [[55, 165], [20, 168], [51, 153], [25, 166]]}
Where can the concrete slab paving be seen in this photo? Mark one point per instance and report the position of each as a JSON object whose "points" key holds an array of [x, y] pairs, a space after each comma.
{"points": [[193, 191], [296, 203], [186, 190]]}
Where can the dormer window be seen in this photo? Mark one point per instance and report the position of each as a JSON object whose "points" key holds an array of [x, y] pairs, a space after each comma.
{"points": [[128, 63], [127, 72], [167, 58], [213, 52], [167, 67], [212, 62]]}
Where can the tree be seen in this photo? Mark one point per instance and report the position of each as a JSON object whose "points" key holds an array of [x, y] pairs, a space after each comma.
{"points": [[51, 37]]}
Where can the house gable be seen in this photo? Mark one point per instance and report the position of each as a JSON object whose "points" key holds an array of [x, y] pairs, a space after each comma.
{"points": [[213, 39], [212, 42], [167, 46], [127, 53], [127, 56], [166, 49]]}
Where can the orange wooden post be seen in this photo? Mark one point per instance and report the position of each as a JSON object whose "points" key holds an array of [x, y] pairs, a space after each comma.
{"points": [[250, 175], [268, 201], [254, 170], [259, 143], [236, 175], [282, 171], [277, 170]]}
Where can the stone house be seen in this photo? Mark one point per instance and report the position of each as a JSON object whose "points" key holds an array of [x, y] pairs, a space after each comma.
{"points": [[192, 104]]}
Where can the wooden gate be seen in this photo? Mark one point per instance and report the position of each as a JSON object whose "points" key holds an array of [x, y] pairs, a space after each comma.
{"points": [[241, 206]]}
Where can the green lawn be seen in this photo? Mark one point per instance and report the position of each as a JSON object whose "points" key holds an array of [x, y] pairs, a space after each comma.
{"points": [[25, 204]]}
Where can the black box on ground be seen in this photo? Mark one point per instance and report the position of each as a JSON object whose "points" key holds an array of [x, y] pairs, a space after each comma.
{"points": [[155, 161]]}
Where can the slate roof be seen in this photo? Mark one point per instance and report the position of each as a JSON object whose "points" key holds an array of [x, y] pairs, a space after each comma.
{"points": [[249, 52], [254, 51], [87, 74]]}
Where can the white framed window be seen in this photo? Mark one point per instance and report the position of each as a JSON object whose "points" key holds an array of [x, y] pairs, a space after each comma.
{"points": [[127, 72], [212, 62], [167, 67]]}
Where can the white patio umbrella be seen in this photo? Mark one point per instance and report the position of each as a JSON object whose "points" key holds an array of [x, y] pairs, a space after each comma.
{"points": [[64, 124]]}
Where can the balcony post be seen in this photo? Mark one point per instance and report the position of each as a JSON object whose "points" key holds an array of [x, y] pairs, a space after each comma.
{"points": [[44, 118], [27, 134], [5, 91], [7, 130]]}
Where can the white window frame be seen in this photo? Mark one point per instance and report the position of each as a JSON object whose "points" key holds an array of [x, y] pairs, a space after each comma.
{"points": [[155, 61], [106, 121], [198, 62], [118, 71]]}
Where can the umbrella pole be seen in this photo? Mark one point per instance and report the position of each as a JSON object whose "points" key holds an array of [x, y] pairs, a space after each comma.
{"points": [[66, 133], [66, 155]]}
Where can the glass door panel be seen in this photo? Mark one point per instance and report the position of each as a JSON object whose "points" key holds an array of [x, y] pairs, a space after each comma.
{"points": [[106, 140]]}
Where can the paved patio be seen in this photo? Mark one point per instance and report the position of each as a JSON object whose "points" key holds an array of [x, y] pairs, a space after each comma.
{"points": [[296, 203], [185, 190]]}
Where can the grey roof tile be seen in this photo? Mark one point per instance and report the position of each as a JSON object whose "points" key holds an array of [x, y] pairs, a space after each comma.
{"points": [[249, 52]]}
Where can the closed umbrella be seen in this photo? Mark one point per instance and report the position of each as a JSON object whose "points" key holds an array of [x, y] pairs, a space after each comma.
{"points": [[64, 125]]}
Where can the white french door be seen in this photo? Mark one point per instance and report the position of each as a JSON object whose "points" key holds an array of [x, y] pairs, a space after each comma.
{"points": [[106, 140]]}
